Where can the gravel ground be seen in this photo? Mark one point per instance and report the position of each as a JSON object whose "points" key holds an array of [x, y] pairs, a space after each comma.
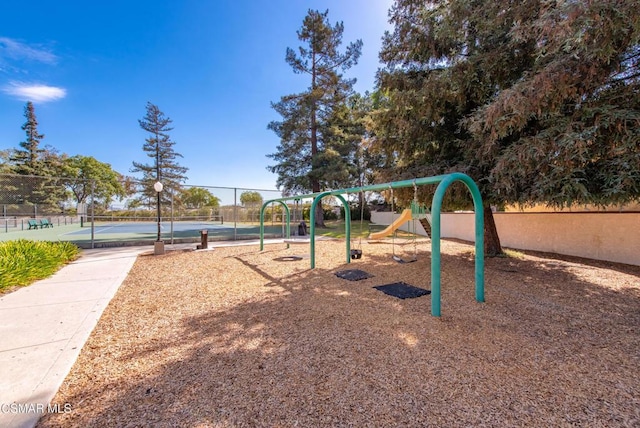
{"points": [[237, 337]]}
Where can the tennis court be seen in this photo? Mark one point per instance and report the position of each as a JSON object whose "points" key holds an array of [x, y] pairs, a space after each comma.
{"points": [[108, 231], [146, 226]]}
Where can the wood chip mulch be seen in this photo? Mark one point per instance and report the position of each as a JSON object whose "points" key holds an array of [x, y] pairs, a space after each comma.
{"points": [[235, 337]]}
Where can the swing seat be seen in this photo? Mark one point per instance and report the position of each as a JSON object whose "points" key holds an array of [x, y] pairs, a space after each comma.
{"points": [[401, 260], [356, 254]]}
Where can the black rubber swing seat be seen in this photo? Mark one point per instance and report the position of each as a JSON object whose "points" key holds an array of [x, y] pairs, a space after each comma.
{"points": [[353, 275], [402, 290], [356, 254], [400, 260]]}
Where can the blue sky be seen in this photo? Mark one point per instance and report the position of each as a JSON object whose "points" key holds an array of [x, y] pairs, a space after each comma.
{"points": [[212, 66]]}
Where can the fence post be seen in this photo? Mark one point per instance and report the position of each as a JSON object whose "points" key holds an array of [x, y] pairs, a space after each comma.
{"points": [[171, 195]]}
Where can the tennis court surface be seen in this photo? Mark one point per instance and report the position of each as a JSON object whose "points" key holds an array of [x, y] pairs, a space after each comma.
{"points": [[113, 232]]}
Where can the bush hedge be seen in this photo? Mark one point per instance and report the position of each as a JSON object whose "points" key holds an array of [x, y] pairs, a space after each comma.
{"points": [[23, 261]]}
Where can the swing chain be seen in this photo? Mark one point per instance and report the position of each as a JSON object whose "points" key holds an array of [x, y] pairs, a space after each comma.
{"points": [[393, 235], [415, 229], [361, 201], [356, 253]]}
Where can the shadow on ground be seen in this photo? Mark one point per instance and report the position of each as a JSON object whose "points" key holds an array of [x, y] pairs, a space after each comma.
{"points": [[233, 338]]}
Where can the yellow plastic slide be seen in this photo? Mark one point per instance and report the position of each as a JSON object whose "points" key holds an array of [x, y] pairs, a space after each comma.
{"points": [[404, 217]]}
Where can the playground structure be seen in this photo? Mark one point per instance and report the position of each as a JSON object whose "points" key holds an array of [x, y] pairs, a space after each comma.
{"points": [[416, 212], [443, 182], [404, 217]]}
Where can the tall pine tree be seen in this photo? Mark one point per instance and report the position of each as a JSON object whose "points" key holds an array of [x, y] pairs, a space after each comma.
{"points": [[28, 160], [159, 147], [307, 158], [33, 160], [572, 120], [537, 101]]}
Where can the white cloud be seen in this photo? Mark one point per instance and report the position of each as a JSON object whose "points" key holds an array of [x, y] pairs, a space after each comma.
{"points": [[16, 50], [34, 92]]}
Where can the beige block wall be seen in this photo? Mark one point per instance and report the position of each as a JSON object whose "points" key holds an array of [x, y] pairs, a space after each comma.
{"points": [[603, 236], [632, 207]]}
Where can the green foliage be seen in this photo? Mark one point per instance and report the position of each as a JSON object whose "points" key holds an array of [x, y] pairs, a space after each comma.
{"points": [[312, 154], [328, 213], [23, 262], [28, 160], [357, 212], [5, 166], [537, 101], [336, 229], [573, 119], [159, 147], [250, 198], [198, 197], [56, 177], [88, 174], [33, 160]]}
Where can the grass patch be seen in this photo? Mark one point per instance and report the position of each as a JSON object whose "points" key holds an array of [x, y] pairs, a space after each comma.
{"points": [[336, 229], [513, 254], [22, 262]]}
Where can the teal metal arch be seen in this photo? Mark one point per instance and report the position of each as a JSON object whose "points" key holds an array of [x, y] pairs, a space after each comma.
{"points": [[288, 215], [312, 227], [443, 182], [436, 208], [313, 195]]}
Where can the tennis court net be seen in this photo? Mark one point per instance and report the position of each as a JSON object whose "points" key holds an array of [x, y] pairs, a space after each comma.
{"points": [[117, 221]]}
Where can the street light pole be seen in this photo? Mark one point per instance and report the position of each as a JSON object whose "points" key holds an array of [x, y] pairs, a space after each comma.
{"points": [[159, 245]]}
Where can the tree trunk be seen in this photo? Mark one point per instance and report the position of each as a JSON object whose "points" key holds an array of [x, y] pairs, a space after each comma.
{"points": [[492, 247], [315, 185], [319, 215]]}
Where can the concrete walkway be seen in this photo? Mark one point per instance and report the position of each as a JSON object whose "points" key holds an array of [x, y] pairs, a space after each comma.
{"points": [[44, 326]]}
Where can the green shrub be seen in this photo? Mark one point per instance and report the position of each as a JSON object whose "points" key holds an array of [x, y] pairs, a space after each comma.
{"points": [[23, 262], [328, 214], [356, 212]]}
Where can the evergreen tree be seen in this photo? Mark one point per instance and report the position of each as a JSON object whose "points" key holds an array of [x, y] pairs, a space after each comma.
{"points": [[537, 101], [28, 160], [159, 147], [5, 162], [351, 139], [572, 120], [307, 158]]}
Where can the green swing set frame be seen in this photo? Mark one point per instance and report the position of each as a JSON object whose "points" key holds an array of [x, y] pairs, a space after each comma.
{"points": [[443, 182]]}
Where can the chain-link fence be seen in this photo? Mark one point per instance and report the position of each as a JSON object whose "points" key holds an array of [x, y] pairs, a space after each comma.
{"points": [[84, 212], [26, 200]]}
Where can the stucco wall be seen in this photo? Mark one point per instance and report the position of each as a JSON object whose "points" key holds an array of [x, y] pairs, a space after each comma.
{"points": [[603, 236]]}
